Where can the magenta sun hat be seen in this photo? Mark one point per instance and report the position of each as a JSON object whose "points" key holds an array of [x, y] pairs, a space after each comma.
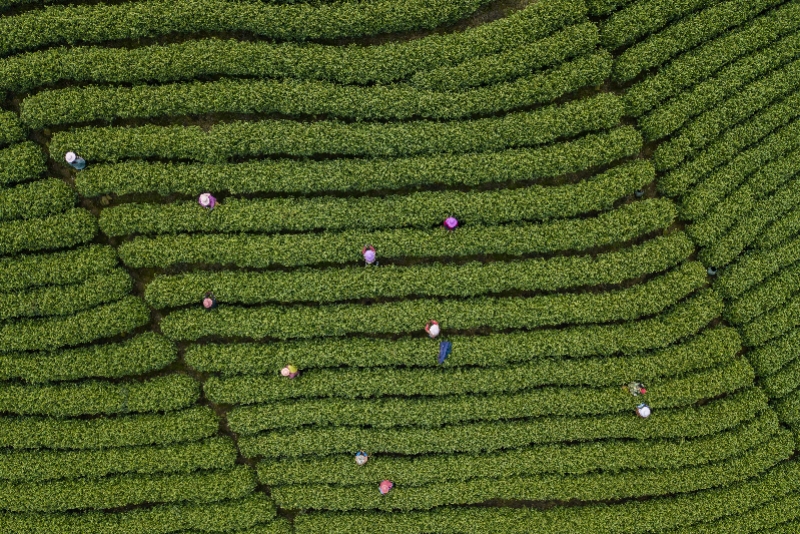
{"points": [[206, 200], [450, 223], [385, 486], [207, 302]]}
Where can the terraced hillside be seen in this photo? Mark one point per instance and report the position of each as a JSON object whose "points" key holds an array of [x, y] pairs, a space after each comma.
{"points": [[625, 178]]}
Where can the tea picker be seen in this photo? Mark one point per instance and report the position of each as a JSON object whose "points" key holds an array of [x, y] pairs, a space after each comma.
{"points": [[369, 254], [209, 302], [432, 329], [643, 411], [385, 486], [445, 348], [636, 389], [207, 201], [361, 457], [451, 223], [75, 160], [290, 371]]}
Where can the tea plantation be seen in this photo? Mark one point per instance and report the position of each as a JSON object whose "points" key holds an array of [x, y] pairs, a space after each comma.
{"points": [[625, 179]]}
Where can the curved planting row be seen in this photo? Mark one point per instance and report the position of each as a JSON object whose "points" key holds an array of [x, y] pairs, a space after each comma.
{"points": [[560, 283], [728, 110], [357, 175]]}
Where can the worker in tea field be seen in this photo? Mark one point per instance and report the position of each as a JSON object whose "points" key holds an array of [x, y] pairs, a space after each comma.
{"points": [[290, 371], [209, 302], [361, 457], [432, 329], [445, 347], [369, 254], [643, 411], [75, 161], [207, 201], [636, 389], [451, 223], [385, 487]]}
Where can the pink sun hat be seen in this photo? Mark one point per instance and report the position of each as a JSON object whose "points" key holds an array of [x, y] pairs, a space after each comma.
{"points": [[385, 486], [451, 223]]}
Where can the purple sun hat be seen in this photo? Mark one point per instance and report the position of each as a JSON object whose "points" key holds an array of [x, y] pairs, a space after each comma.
{"points": [[207, 200], [451, 223]]}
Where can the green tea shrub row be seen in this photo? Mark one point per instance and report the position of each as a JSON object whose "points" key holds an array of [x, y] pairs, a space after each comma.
{"points": [[668, 118], [419, 210], [783, 382], [150, 18], [246, 250], [771, 357], [74, 227], [711, 418], [686, 34], [787, 408], [729, 146], [36, 199], [702, 198], [773, 293], [213, 57], [470, 279], [709, 349], [55, 268], [101, 322], [65, 300], [719, 347], [564, 459], [780, 512], [602, 486], [102, 432], [125, 490], [307, 98], [138, 355], [636, 516], [708, 126], [745, 231], [753, 194], [780, 231], [405, 316], [278, 137], [192, 518], [604, 7], [628, 25], [285, 175], [11, 129], [513, 63], [755, 266], [164, 393], [772, 324], [451, 409], [683, 320], [383, 63], [20, 162], [698, 64], [785, 527], [279, 526], [41, 465]]}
